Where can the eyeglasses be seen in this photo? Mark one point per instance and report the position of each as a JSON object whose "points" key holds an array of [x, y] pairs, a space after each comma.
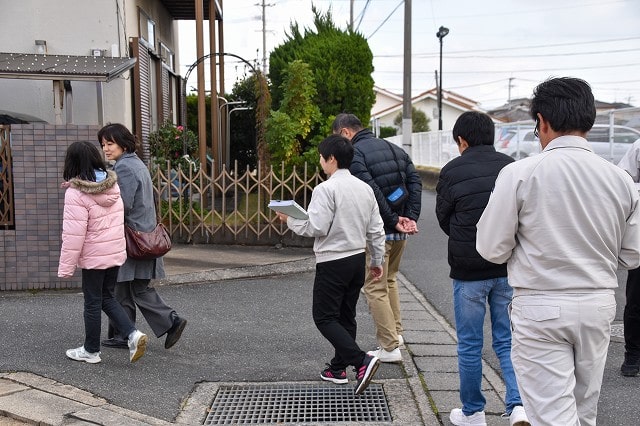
{"points": [[535, 131]]}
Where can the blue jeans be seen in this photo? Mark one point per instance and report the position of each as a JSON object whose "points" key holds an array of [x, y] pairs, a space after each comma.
{"points": [[469, 301]]}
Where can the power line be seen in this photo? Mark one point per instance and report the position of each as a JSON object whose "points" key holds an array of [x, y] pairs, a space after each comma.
{"points": [[386, 19], [364, 9], [540, 46], [521, 70], [544, 55]]}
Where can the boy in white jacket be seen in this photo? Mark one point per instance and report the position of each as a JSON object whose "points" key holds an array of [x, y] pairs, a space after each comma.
{"points": [[344, 219]]}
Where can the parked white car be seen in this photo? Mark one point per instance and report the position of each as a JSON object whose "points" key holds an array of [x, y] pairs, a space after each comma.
{"points": [[609, 142], [601, 137], [517, 142]]}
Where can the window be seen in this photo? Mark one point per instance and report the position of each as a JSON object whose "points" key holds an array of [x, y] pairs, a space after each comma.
{"points": [[147, 30], [167, 56]]}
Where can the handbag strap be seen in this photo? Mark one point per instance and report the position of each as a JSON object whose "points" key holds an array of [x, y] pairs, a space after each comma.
{"points": [[395, 158]]}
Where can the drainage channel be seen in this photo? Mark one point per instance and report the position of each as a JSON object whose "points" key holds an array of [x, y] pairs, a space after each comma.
{"points": [[297, 403]]}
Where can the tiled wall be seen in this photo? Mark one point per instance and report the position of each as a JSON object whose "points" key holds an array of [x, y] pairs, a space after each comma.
{"points": [[30, 252]]}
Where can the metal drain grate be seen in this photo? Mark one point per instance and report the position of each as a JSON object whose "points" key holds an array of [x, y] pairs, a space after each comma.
{"points": [[255, 404]]}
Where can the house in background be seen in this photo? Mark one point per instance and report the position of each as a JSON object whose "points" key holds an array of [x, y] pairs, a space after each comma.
{"points": [[389, 105]]}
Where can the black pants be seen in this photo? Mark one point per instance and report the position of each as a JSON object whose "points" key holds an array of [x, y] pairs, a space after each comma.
{"points": [[336, 290], [632, 315]]}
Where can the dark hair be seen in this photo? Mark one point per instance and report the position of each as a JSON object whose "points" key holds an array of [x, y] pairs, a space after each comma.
{"points": [[344, 120], [82, 160], [118, 133], [566, 103], [339, 147], [475, 127]]}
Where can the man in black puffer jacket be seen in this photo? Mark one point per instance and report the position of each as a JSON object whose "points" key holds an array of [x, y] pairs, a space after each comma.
{"points": [[385, 167], [463, 190]]}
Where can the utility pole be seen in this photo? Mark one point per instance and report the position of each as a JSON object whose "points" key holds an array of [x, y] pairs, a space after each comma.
{"points": [[351, 15], [510, 86], [264, 37], [407, 127]]}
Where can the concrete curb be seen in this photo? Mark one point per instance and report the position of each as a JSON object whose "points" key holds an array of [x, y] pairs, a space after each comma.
{"points": [[257, 271]]}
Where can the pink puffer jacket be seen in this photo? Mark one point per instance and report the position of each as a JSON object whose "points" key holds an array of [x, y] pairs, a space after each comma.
{"points": [[93, 226]]}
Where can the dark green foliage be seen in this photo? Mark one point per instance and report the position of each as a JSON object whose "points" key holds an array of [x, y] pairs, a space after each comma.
{"points": [[341, 62], [387, 131], [419, 120]]}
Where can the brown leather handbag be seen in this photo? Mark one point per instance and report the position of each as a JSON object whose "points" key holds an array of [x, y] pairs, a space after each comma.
{"points": [[147, 245]]}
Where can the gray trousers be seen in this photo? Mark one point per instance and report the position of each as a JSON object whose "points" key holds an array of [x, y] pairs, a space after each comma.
{"points": [[155, 311]]}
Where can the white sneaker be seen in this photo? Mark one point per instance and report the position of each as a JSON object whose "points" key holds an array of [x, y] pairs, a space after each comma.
{"points": [[400, 340], [518, 417], [79, 354], [387, 356], [137, 345], [458, 418]]}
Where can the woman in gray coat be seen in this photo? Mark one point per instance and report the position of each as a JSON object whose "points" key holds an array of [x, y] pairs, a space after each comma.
{"points": [[132, 289]]}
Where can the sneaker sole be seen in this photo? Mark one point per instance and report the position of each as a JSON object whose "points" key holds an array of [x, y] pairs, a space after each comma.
{"points": [[368, 375], [140, 350], [388, 360], [87, 360], [333, 380]]}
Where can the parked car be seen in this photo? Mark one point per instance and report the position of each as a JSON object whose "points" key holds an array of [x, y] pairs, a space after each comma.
{"points": [[608, 142], [517, 142], [612, 142]]}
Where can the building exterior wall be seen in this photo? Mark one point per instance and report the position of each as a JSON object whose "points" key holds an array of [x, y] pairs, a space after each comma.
{"points": [[31, 251], [72, 30]]}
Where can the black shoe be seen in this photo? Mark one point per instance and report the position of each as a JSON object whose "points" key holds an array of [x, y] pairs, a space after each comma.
{"points": [[365, 373], [116, 342], [174, 333], [338, 377], [631, 366]]}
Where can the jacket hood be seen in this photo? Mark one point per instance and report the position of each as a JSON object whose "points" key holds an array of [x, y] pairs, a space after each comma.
{"points": [[105, 192]]}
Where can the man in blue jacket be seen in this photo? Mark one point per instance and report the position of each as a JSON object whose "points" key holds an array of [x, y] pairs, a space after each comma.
{"points": [[463, 190], [397, 186]]}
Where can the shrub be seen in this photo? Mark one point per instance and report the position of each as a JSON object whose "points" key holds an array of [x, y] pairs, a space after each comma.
{"points": [[174, 143]]}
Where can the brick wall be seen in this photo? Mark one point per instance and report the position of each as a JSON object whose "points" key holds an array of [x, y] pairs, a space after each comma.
{"points": [[31, 251]]}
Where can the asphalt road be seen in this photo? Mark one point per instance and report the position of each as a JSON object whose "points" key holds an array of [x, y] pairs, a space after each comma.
{"points": [[239, 331], [425, 265]]}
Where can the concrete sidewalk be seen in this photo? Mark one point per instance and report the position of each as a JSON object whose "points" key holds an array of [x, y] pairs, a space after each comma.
{"points": [[424, 392]]}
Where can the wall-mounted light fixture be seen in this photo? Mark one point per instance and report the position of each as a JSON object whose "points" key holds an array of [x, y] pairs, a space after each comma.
{"points": [[41, 47]]}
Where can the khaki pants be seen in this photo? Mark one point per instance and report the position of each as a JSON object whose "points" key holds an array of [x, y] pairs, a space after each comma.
{"points": [[383, 298]]}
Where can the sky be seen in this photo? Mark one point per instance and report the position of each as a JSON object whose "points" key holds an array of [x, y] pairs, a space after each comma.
{"points": [[496, 50]]}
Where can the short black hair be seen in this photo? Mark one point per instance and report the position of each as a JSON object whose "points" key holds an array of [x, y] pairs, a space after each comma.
{"points": [[118, 133], [339, 147], [567, 103], [82, 160], [345, 120], [475, 127]]}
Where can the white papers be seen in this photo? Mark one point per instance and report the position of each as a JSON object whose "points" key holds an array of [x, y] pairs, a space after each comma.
{"points": [[289, 207]]}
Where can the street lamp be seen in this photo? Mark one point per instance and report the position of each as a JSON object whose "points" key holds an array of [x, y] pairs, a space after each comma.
{"points": [[442, 32]]}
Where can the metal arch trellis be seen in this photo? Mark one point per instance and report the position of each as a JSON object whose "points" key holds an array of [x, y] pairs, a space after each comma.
{"points": [[193, 66]]}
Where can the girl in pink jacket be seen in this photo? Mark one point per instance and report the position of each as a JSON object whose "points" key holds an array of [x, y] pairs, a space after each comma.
{"points": [[93, 240]]}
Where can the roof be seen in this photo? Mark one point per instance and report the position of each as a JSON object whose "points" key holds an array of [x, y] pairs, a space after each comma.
{"points": [[62, 67], [450, 98], [186, 9]]}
